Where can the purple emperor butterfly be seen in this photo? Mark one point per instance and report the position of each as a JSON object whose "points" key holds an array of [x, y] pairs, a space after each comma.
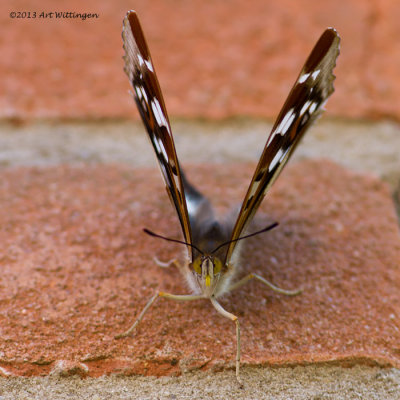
{"points": [[214, 247]]}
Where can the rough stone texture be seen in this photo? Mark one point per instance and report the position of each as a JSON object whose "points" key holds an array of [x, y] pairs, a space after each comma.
{"points": [[298, 383], [214, 59], [76, 269], [370, 147]]}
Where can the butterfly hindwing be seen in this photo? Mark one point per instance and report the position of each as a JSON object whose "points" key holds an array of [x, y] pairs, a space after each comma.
{"points": [[302, 107], [147, 94]]}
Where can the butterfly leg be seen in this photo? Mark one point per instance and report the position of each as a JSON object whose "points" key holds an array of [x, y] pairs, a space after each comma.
{"points": [[247, 278], [233, 318], [150, 303], [166, 264]]}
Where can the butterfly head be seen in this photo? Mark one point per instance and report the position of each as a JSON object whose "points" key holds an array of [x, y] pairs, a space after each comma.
{"points": [[207, 271]]}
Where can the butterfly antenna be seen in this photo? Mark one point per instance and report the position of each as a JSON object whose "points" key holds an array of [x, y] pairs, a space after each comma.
{"points": [[268, 228], [151, 233]]}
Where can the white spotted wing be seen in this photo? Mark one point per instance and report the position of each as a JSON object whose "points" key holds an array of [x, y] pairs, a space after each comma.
{"points": [[149, 100], [302, 107]]}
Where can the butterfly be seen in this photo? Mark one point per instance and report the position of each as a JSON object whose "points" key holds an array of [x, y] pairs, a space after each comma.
{"points": [[214, 247]]}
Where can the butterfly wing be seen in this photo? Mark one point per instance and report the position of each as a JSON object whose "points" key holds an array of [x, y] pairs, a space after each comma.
{"points": [[302, 107], [149, 100]]}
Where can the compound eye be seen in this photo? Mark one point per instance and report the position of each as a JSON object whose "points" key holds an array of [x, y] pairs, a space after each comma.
{"points": [[217, 266], [197, 265]]}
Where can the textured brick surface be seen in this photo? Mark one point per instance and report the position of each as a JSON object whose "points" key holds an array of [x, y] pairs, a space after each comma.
{"points": [[76, 269], [214, 59]]}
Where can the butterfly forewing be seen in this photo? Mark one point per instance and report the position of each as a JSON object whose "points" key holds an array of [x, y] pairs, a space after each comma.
{"points": [[147, 94], [302, 107]]}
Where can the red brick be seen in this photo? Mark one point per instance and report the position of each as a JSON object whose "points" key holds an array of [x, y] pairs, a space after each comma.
{"points": [[76, 269], [214, 59]]}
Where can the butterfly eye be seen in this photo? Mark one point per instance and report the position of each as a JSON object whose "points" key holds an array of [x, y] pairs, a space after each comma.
{"points": [[217, 266], [197, 265]]}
